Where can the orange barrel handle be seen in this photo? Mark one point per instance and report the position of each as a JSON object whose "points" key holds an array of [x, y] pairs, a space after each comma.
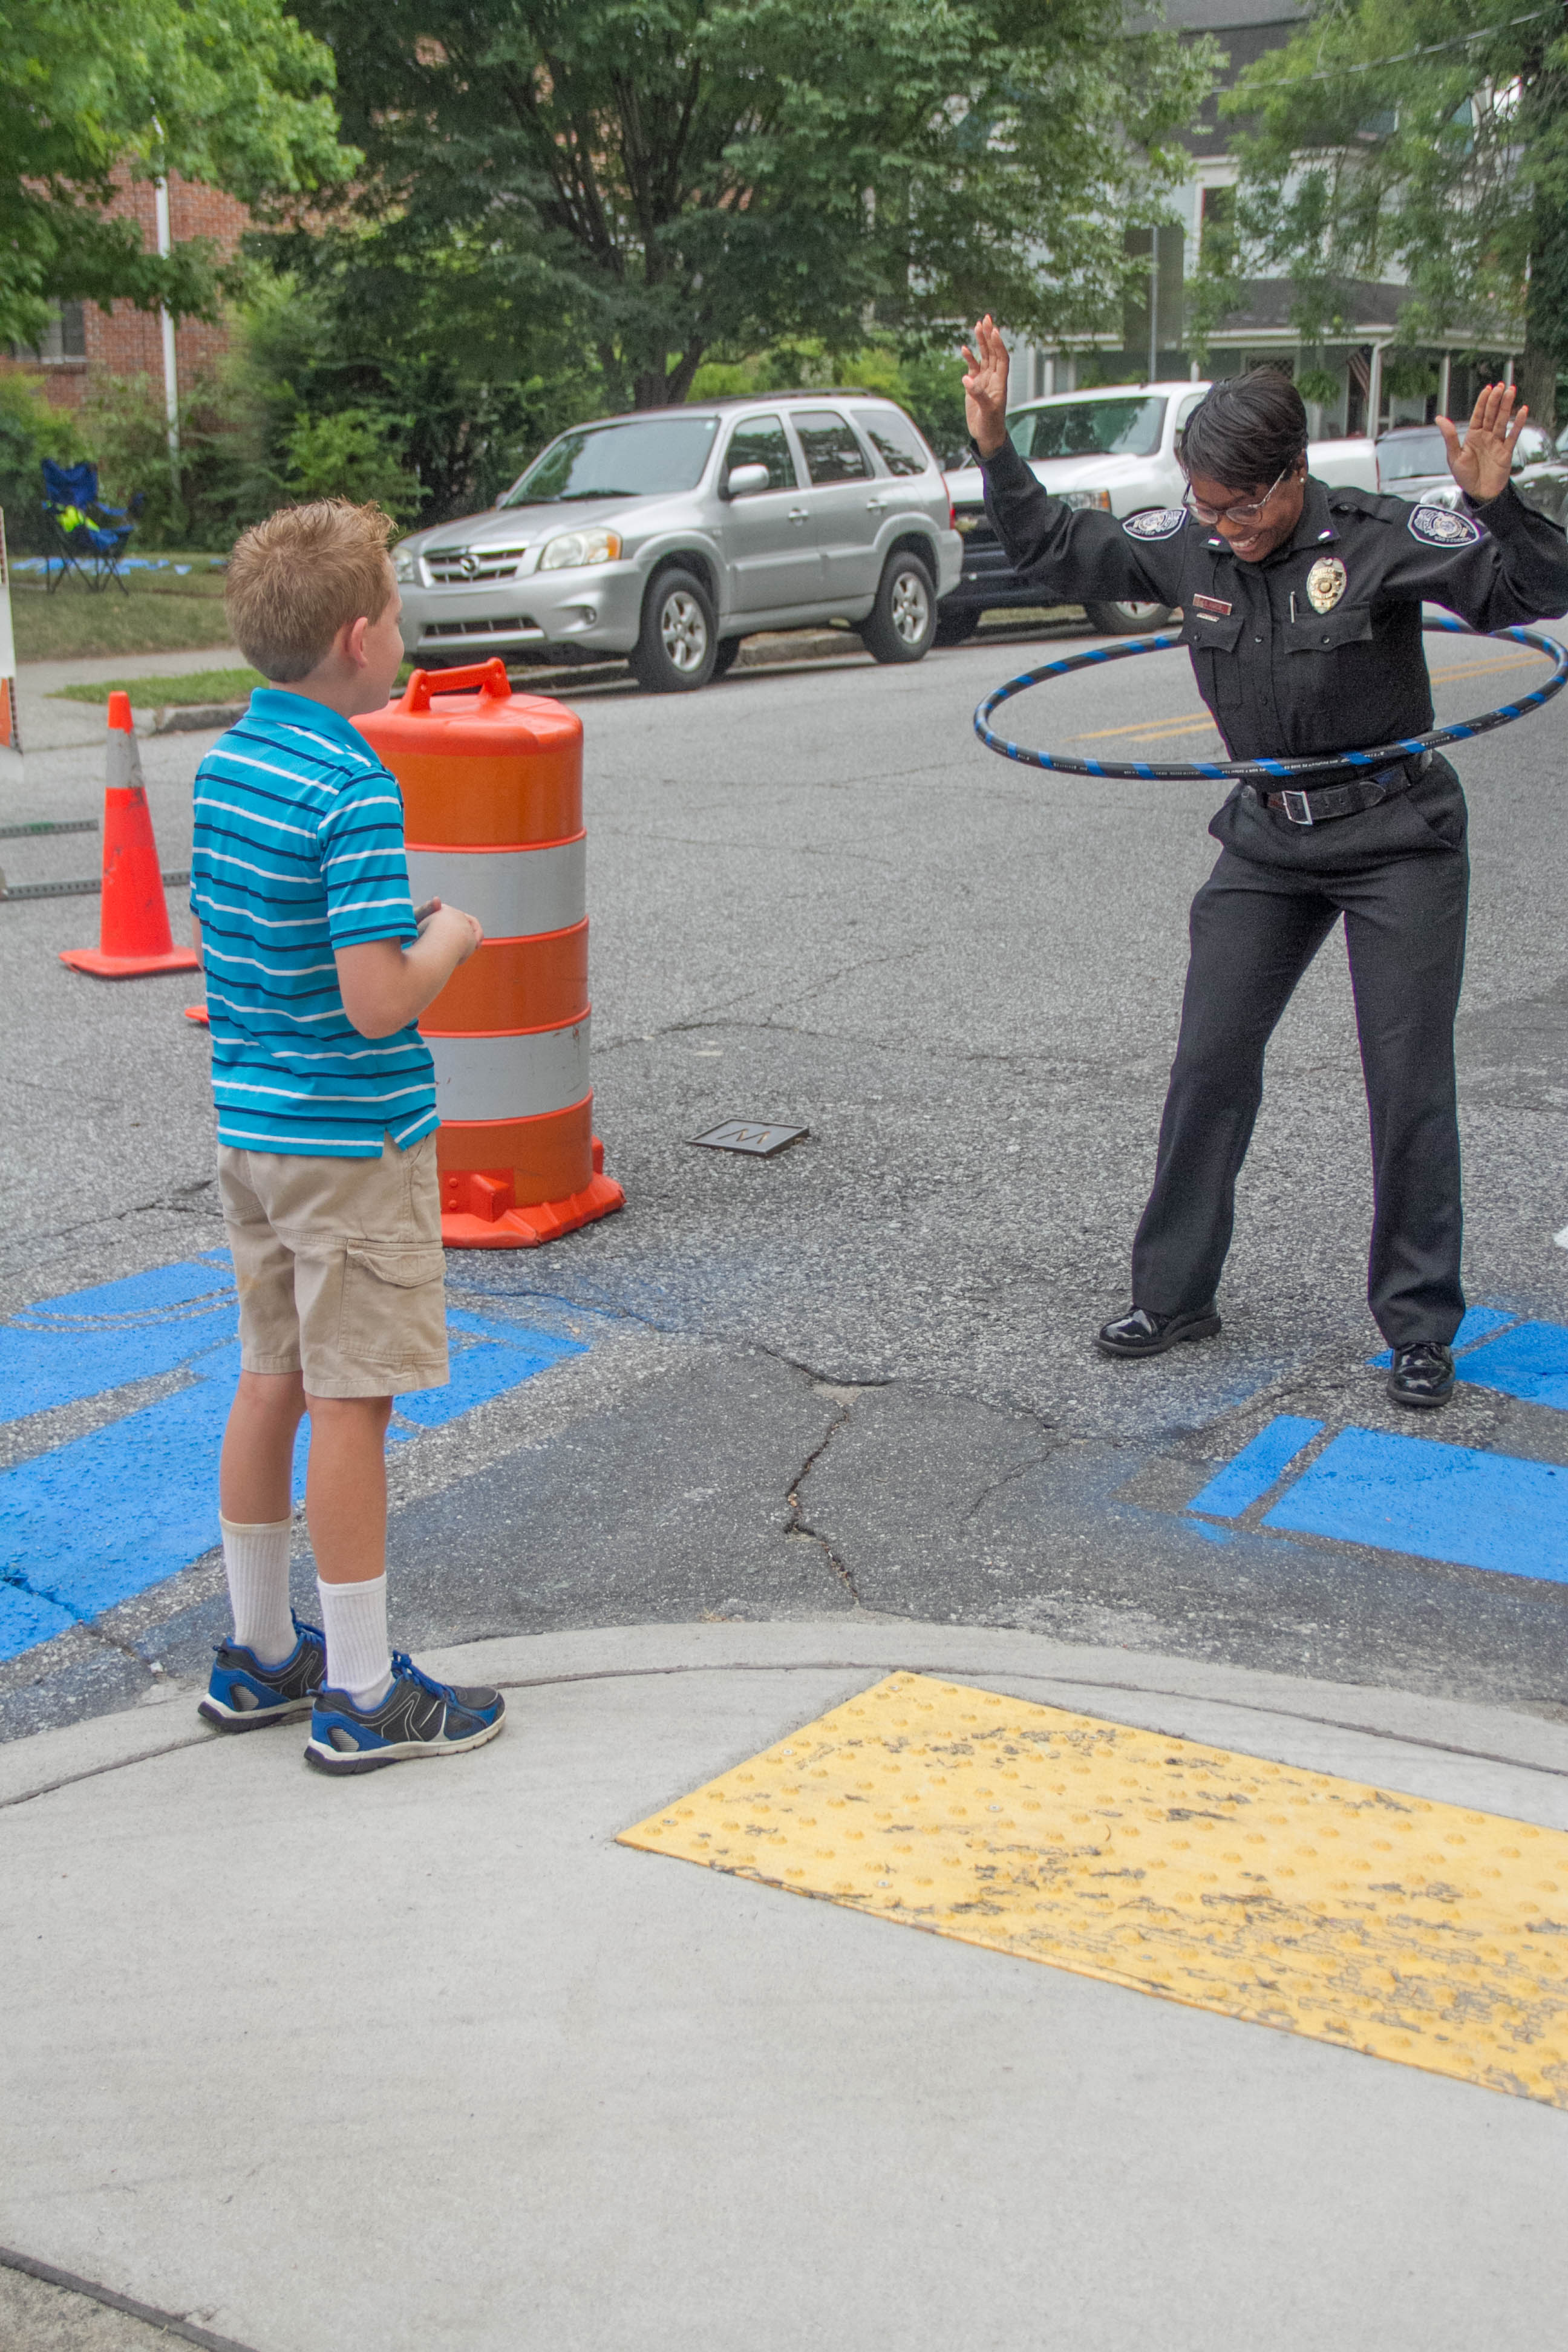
{"points": [[489, 676]]}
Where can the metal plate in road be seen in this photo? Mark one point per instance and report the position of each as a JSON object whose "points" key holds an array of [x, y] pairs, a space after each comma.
{"points": [[749, 1135]]}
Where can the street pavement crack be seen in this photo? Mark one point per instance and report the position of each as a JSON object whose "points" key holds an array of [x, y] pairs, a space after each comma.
{"points": [[797, 1523], [1008, 1478]]}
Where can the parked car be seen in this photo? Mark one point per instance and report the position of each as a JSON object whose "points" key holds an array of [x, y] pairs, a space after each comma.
{"points": [[1344, 465], [1118, 447], [670, 535], [1413, 463]]}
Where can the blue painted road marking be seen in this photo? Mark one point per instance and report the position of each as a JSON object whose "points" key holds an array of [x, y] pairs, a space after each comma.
{"points": [[1529, 1362], [509, 1353], [1439, 1502], [103, 1517], [1256, 1468], [81, 1346], [1475, 1324], [93, 1522]]}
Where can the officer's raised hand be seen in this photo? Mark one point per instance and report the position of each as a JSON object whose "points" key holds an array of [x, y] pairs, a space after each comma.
{"points": [[1480, 464], [985, 387]]}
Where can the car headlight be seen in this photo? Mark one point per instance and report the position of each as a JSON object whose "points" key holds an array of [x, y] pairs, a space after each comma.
{"points": [[406, 564], [1087, 499], [579, 547]]}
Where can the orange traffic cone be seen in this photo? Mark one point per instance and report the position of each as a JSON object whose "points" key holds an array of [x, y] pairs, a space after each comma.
{"points": [[133, 934]]}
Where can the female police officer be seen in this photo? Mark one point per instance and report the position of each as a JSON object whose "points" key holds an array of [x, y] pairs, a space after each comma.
{"points": [[1303, 610]]}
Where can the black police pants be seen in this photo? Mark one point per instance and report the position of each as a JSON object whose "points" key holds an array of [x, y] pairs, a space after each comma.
{"points": [[1402, 888]]}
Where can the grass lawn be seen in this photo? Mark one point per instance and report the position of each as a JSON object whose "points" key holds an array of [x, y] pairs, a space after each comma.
{"points": [[171, 693], [162, 614], [150, 693]]}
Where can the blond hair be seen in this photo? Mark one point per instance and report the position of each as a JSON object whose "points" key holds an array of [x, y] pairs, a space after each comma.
{"points": [[295, 579]]}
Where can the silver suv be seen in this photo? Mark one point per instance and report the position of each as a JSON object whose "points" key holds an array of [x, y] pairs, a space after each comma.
{"points": [[670, 535]]}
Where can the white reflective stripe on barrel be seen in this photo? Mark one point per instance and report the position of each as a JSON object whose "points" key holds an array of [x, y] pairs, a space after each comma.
{"points": [[514, 893], [512, 1074]]}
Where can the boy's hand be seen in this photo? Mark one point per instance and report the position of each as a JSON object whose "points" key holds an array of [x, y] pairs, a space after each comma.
{"points": [[1482, 462], [386, 985], [985, 387], [454, 929]]}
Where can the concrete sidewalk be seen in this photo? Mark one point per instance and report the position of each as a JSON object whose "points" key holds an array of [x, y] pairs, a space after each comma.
{"points": [[428, 2060], [49, 725]]}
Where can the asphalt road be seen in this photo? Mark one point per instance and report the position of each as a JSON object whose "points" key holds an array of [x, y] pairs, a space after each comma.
{"points": [[861, 1376]]}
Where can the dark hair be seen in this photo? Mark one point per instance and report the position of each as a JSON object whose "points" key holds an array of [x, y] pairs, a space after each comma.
{"points": [[1248, 430]]}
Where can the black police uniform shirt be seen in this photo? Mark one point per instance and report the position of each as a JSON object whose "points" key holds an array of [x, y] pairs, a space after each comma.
{"points": [[1317, 647]]}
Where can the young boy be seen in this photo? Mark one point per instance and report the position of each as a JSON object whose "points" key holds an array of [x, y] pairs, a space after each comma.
{"points": [[317, 970]]}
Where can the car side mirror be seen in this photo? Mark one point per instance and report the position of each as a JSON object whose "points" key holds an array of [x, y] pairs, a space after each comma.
{"points": [[745, 480]]}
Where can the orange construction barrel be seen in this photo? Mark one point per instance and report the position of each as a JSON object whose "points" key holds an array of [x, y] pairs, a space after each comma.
{"points": [[492, 802]]}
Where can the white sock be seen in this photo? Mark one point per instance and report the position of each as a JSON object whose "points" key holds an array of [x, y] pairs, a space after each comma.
{"points": [[359, 1655], [256, 1560]]}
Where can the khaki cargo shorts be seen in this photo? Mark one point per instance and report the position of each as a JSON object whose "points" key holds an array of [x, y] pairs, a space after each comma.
{"points": [[339, 1268]]}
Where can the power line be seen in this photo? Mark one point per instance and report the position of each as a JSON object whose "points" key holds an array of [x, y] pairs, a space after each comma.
{"points": [[1427, 49]]}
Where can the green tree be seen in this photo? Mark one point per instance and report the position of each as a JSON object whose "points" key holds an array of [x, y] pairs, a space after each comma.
{"points": [[230, 92], [1421, 139], [660, 180]]}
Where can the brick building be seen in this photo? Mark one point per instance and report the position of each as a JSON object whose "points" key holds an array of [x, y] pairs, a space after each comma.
{"points": [[85, 340]]}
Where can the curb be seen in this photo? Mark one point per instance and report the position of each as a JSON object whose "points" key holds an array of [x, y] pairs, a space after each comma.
{"points": [[192, 718], [770, 649], [1468, 1749]]}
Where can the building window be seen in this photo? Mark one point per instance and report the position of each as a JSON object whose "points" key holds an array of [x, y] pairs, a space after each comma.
{"points": [[64, 339], [1217, 227]]}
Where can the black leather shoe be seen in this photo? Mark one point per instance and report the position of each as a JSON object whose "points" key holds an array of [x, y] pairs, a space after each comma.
{"points": [[1140, 1333], [1422, 1377]]}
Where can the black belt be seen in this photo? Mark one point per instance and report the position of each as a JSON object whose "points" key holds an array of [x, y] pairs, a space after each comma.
{"points": [[1346, 799]]}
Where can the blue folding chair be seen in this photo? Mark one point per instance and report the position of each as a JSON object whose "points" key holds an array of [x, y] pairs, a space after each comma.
{"points": [[88, 537]]}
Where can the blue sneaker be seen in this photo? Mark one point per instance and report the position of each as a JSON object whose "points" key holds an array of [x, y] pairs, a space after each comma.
{"points": [[417, 1717], [242, 1693]]}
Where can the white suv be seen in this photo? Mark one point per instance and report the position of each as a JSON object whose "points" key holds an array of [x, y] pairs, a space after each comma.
{"points": [[1115, 447], [670, 535]]}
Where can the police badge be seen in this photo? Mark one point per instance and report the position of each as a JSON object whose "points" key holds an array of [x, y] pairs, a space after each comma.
{"points": [[1325, 583]]}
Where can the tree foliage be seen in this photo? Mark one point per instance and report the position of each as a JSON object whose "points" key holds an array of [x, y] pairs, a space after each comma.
{"points": [[230, 92], [663, 181], [1422, 139]]}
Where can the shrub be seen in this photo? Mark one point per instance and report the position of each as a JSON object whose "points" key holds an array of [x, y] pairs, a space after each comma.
{"points": [[223, 481], [350, 455]]}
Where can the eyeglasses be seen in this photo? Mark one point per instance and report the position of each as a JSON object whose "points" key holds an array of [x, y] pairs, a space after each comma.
{"points": [[1250, 511]]}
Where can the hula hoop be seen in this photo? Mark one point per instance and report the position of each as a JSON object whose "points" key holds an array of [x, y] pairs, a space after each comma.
{"points": [[1232, 771]]}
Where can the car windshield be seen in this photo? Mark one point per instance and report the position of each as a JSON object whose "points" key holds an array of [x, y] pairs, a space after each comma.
{"points": [[1129, 428], [1401, 458], [637, 459]]}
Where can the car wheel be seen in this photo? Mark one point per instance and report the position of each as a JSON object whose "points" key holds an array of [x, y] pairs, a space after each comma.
{"points": [[676, 652], [724, 658], [954, 624], [1127, 620], [902, 621]]}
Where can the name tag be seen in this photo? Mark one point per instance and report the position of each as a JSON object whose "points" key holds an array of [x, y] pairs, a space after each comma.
{"points": [[1213, 607]]}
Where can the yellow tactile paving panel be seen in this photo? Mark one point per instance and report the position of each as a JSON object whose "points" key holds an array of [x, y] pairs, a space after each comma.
{"points": [[1384, 1923]]}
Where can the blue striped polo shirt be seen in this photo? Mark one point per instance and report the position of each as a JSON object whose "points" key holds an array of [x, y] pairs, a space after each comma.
{"points": [[298, 852]]}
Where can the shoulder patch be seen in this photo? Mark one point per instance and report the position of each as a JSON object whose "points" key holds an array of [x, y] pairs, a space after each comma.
{"points": [[1160, 523], [1444, 527]]}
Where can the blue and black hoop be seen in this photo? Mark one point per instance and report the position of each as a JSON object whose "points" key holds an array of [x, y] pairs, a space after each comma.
{"points": [[1245, 771]]}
